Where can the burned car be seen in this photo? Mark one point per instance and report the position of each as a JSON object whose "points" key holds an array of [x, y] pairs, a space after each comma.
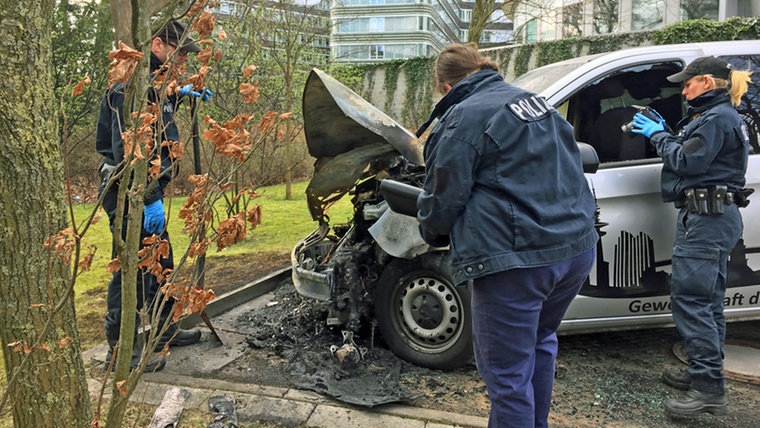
{"points": [[377, 269]]}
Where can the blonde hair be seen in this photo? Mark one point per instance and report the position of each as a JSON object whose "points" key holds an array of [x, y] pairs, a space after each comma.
{"points": [[740, 80], [457, 61], [739, 84]]}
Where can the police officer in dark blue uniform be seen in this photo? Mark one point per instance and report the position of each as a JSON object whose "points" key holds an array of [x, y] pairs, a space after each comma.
{"points": [[505, 187], [166, 53], [703, 175]]}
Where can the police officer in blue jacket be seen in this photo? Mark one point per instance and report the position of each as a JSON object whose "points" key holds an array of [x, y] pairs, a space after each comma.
{"points": [[505, 188], [703, 167], [166, 53]]}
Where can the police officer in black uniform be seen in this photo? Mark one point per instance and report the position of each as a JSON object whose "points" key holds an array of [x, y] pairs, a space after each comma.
{"points": [[504, 183], [703, 170], [169, 44]]}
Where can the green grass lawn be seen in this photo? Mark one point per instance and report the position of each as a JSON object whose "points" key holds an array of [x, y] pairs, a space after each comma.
{"points": [[283, 223]]}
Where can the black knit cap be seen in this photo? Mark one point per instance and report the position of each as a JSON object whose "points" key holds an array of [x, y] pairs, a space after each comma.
{"points": [[173, 31], [703, 65]]}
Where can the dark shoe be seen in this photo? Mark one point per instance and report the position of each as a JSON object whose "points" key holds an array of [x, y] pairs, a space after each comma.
{"points": [[178, 337], [696, 402], [155, 363], [678, 379]]}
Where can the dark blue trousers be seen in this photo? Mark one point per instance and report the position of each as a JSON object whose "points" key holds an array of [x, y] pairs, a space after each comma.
{"points": [[698, 287], [148, 287], [515, 317]]}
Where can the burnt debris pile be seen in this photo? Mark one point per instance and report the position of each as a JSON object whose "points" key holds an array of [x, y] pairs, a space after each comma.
{"points": [[350, 367]]}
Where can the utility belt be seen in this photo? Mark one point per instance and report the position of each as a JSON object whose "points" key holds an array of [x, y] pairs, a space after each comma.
{"points": [[711, 200]]}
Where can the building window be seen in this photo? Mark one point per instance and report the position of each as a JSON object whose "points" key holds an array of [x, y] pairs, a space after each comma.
{"points": [[531, 31], [693, 9], [572, 20], [376, 24], [352, 25], [606, 16], [647, 14], [376, 51]]}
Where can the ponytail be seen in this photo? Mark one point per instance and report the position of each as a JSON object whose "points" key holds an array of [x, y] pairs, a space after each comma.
{"points": [[740, 81]]}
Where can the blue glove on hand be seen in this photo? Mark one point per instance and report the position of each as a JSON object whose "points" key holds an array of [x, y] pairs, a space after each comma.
{"points": [[188, 90], [646, 126], [153, 218], [204, 94]]}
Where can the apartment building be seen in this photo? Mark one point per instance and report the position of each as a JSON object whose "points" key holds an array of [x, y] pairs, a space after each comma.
{"points": [[286, 22], [381, 30], [542, 20]]}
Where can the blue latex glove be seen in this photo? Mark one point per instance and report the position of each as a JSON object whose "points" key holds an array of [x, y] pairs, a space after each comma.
{"points": [[188, 90], [204, 94], [153, 218], [646, 126]]}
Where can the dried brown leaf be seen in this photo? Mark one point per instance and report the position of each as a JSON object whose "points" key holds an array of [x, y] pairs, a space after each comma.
{"points": [[254, 216], [204, 56], [249, 92], [267, 121], [123, 64], [114, 265], [230, 231], [205, 24], [248, 71], [79, 87], [86, 262]]}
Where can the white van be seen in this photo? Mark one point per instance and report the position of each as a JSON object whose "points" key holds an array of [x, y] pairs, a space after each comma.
{"points": [[377, 268]]}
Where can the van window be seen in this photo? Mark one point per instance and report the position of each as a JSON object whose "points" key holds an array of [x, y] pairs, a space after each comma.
{"points": [[598, 111]]}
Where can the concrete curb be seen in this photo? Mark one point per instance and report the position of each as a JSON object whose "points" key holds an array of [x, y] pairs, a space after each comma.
{"points": [[289, 407]]}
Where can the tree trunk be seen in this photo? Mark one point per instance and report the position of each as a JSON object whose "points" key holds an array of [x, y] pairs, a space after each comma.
{"points": [[288, 142], [124, 380], [46, 375]]}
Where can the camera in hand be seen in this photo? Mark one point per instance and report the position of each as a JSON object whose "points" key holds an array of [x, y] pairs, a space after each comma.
{"points": [[646, 111]]}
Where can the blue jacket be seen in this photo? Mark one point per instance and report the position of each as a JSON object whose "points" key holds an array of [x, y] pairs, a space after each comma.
{"points": [[504, 181], [711, 149], [110, 145]]}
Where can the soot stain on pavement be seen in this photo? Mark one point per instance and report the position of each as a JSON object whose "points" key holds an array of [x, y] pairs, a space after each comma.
{"points": [[353, 368]]}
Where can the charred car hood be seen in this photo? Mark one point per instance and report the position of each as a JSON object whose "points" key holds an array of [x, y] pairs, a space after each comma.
{"points": [[350, 138]]}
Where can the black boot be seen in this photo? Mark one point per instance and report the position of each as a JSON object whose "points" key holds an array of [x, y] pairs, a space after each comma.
{"points": [[175, 336], [155, 362], [678, 379], [696, 402]]}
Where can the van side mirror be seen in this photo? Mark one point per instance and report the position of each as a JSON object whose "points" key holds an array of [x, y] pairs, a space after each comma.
{"points": [[589, 158], [401, 197]]}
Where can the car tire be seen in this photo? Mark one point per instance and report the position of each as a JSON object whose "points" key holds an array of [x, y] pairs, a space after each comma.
{"points": [[423, 317]]}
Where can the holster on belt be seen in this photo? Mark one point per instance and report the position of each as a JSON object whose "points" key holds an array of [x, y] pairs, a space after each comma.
{"points": [[741, 197], [716, 199], [706, 201]]}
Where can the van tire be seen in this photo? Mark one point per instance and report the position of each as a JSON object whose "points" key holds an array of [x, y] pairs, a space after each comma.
{"points": [[422, 316]]}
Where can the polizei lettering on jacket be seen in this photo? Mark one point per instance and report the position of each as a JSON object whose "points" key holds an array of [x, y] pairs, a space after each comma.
{"points": [[531, 109]]}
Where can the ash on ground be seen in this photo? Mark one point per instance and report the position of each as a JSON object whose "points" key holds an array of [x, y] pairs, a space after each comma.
{"points": [[347, 366]]}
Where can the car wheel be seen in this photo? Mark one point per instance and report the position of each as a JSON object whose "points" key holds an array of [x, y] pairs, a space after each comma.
{"points": [[422, 316]]}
